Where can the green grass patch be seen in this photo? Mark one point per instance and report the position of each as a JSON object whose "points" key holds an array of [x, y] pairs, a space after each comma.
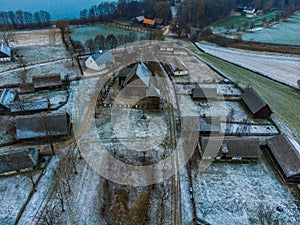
{"points": [[89, 32], [283, 100]]}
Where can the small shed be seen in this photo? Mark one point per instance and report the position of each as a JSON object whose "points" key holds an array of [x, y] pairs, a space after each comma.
{"points": [[100, 60], [285, 153], [204, 93], [210, 125], [47, 81], [140, 19], [18, 159], [166, 48], [256, 104], [42, 126], [7, 97], [30, 105], [179, 68], [5, 52], [230, 148]]}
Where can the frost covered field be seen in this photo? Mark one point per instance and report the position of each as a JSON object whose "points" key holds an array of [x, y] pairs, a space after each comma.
{"points": [[285, 69], [236, 193], [286, 32]]}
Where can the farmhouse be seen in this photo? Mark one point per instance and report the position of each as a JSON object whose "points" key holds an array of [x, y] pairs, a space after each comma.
{"points": [[6, 98], [5, 52], [256, 104], [100, 60], [285, 154], [137, 81], [204, 93], [42, 126], [47, 81], [18, 159], [230, 148]]}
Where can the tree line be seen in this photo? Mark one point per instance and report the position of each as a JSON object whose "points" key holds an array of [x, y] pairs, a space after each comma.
{"points": [[124, 9], [22, 19], [101, 42], [200, 13]]}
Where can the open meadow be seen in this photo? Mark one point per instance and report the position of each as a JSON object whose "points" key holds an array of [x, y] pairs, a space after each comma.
{"points": [[286, 32]]}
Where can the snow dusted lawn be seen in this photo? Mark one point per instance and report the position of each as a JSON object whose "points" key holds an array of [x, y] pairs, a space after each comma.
{"points": [[63, 67], [34, 55], [285, 69], [228, 193], [42, 53], [286, 32], [14, 192], [36, 38]]}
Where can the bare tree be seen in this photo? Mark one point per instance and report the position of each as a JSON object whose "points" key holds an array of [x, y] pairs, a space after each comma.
{"points": [[51, 214], [6, 34]]}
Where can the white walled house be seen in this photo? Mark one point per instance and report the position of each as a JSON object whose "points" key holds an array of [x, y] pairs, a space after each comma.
{"points": [[99, 60]]}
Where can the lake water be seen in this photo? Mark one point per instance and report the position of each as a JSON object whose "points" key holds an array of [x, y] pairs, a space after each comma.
{"points": [[59, 9]]}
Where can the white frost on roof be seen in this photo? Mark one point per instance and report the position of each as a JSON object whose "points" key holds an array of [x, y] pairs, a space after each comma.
{"points": [[143, 73], [5, 49], [7, 97], [103, 57], [153, 92]]}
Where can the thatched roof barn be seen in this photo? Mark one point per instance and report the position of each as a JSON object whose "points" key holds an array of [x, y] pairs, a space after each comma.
{"points": [[285, 154], [18, 159], [42, 126], [256, 104], [230, 148]]}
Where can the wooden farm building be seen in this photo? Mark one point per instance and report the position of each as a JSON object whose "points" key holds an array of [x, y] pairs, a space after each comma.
{"points": [[256, 104], [46, 81], [149, 23], [18, 159], [137, 81], [42, 126], [204, 93], [285, 154], [230, 148]]}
